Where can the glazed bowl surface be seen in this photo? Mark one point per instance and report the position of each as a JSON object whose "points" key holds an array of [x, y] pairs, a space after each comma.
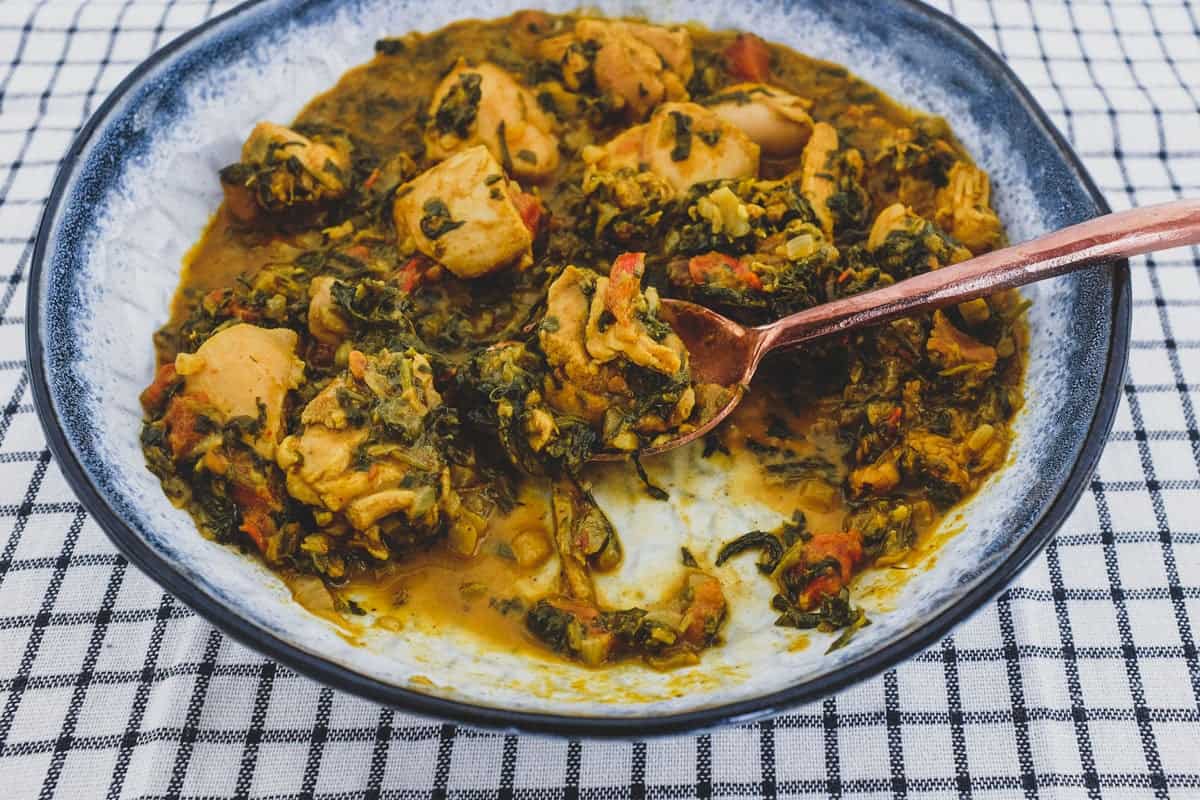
{"points": [[139, 184]]}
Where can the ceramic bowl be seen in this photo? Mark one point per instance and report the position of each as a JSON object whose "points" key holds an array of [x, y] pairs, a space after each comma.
{"points": [[139, 184]]}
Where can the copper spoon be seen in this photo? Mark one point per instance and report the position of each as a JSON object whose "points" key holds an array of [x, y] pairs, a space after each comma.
{"points": [[726, 353]]}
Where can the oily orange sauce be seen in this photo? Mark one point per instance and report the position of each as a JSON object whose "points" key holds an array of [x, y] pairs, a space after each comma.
{"points": [[436, 590], [433, 589]]}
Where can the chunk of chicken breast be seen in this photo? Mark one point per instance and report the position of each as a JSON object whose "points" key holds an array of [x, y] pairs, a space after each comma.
{"points": [[461, 214], [616, 326], [323, 463], [634, 64], [325, 322], [949, 347], [245, 371], [485, 105], [281, 168], [898, 218], [817, 181], [602, 324], [964, 209], [684, 144], [584, 383], [776, 121]]}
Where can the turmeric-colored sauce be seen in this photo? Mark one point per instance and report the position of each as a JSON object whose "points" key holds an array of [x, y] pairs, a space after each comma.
{"points": [[428, 301]]}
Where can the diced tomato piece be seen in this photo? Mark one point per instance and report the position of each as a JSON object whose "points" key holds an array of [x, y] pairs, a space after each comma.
{"points": [[720, 268], [370, 181], [256, 534], [412, 273], [747, 276], [357, 362], [359, 251], [156, 393], [628, 265], [224, 301], [749, 59], [530, 22], [588, 615], [183, 414], [845, 547], [706, 610], [257, 522], [624, 282], [530, 209]]}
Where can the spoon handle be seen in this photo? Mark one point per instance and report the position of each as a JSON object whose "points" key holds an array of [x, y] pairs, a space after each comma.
{"points": [[1106, 238]]}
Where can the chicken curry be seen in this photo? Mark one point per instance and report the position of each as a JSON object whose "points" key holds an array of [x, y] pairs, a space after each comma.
{"points": [[430, 299]]}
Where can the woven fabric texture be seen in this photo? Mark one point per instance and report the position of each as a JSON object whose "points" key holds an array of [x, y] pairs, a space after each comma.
{"points": [[1081, 680]]}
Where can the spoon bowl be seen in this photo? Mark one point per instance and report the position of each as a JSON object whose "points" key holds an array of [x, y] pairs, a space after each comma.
{"points": [[720, 350]]}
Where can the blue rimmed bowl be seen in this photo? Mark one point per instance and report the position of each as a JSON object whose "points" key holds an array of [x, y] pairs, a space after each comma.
{"points": [[138, 185]]}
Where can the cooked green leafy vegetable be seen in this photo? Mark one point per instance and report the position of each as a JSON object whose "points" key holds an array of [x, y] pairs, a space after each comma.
{"points": [[429, 303]]}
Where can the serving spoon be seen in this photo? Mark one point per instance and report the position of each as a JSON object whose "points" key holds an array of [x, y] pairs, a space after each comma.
{"points": [[723, 352]]}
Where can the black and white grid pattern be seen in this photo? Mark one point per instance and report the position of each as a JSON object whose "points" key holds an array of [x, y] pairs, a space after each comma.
{"points": [[1080, 680]]}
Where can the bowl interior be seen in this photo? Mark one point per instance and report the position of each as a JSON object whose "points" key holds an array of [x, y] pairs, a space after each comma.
{"points": [[144, 185]]}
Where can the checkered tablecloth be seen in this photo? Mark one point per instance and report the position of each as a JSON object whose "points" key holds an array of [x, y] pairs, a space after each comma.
{"points": [[1080, 680]]}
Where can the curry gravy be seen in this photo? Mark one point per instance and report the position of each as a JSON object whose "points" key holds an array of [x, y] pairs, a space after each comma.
{"points": [[787, 448]]}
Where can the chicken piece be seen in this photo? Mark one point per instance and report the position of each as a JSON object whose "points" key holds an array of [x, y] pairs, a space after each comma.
{"points": [[623, 152], [280, 169], [905, 244], [950, 348], [319, 462], [485, 105], [616, 326], [634, 64], [583, 537], [325, 322], [461, 213], [896, 217], [684, 144], [600, 324], [583, 384], [823, 173], [361, 451], [688, 144], [815, 182], [776, 121], [964, 209], [931, 458], [878, 478], [245, 371]]}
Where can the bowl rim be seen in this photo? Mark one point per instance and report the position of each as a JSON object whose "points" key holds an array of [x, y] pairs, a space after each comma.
{"points": [[338, 676]]}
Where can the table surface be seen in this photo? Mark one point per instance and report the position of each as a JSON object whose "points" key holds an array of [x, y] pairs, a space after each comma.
{"points": [[1081, 679]]}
